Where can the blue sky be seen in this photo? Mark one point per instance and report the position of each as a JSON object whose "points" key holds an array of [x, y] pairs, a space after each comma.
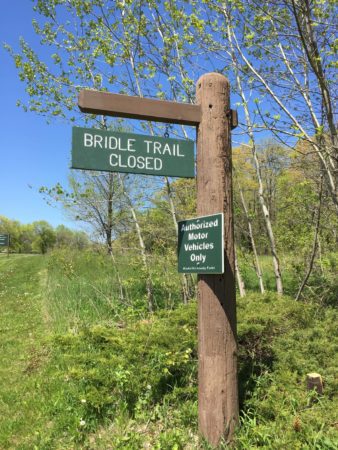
{"points": [[32, 153]]}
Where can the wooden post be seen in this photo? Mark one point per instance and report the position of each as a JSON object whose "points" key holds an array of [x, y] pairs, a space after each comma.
{"points": [[217, 340]]}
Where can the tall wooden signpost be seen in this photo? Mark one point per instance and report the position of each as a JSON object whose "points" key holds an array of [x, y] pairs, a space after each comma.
{"points": [[217, 341]]}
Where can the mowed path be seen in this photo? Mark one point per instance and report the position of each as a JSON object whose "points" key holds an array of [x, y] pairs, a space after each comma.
{"points": [[22, 354]]}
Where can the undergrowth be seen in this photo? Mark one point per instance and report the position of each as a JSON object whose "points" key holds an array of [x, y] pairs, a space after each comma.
{"points": [[133, 384], [111, 376]]}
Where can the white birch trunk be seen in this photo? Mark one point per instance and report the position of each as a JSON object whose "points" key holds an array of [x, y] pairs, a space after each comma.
{"points": [[149, 283], [240, 282], [252, 242], [265, 210]]}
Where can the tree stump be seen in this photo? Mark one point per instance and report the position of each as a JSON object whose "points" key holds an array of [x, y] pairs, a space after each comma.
{"points": [[314, 382]]}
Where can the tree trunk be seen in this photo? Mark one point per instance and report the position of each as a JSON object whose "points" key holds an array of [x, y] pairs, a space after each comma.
{"points": [[149, 283], [265, 210], [117, 276], [240, 282], [184, 277], [252, 241], [110, 222], [315, 243], [109, 229]]}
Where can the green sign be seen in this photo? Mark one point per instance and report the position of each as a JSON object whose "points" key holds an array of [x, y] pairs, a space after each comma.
{"points": [[4, 240], [112, 151], [201, 245]]}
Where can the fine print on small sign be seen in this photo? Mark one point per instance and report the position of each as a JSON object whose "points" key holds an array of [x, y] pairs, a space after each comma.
{"points": [[4, 240], [111, 151], [201, 245]]}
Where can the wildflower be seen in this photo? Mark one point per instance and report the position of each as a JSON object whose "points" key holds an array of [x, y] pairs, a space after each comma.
{"points": [[82, 422]]}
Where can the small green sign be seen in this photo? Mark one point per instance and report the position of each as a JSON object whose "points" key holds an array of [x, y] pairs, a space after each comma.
{"points": [[4, 240], [113, 151], [201, 245]]}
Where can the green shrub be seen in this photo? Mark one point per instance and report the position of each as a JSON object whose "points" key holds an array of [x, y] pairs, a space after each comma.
{"points": [[144, 372], [107, 370]]}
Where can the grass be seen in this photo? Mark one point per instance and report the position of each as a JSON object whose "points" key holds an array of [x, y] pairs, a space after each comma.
{"points": [[83, 369], [22, 351]]}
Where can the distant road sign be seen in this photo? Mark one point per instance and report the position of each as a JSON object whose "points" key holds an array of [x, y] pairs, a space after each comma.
{"points": [[94, 149], [4, 240], [200, 245]]}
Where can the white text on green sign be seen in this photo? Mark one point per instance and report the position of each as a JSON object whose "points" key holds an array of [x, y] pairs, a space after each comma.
{"points": [[111, 151], [4, 240], [200, 245]]}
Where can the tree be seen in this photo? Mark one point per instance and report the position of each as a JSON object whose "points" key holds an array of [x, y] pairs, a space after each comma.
{"points": [[253, 147], [40, 236], [13, 228], [284, 52], [314, 245], [64, 237], [21, 235], [44, 236], [149, 282], [94, 199], [252, 242]]}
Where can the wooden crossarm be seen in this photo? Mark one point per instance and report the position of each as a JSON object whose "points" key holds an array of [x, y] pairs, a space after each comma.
{"points": [[117, 105]]}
